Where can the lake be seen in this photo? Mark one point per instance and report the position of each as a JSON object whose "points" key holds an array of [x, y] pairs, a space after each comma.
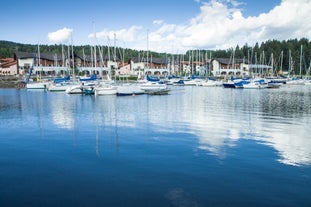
{"points": [[197, 146]]}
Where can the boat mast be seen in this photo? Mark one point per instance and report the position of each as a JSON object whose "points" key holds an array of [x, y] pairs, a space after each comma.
{"points": [[209, 63], [115, 55], [73, 61], [95, 58], [38, 56], [192, 59], [147, 48], [272, 63], [289, 63], [63, 57], [83, 57], [39, 63], [281, 61], [308, 71], [300, 63]]}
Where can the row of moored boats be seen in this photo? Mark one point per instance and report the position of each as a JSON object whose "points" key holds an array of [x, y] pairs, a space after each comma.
{"points": [[101, 87], [108, 87]]}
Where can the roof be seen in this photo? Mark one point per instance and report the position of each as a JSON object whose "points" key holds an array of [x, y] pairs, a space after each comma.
{"points": [[24, 55], [51, 57], [154, 60], [228, 61], [89, 58], [43, 56], [3, 60], [9, 64]]}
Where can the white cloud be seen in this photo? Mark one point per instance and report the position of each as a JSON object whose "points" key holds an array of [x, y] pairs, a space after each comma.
{"points": [[158, 21], [123, 35], [221, 25], [60, 36]]}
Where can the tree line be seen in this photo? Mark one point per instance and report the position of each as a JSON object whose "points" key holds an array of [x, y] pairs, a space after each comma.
{"points": [[292, 53]]}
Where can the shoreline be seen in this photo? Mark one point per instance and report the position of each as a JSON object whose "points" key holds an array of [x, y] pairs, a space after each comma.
{"points": [[11, 82]]}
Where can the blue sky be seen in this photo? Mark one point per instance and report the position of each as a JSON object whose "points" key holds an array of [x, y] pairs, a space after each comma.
{"points": [[170, 25]]}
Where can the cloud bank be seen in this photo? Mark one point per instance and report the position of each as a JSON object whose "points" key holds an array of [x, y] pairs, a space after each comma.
{"points": [[220, 25]]}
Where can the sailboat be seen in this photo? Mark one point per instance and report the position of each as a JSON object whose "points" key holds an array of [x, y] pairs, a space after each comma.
{"points": [[60, 84], [105, 89], [130, 89], [307, 80], [38, 84], [294, 80]]}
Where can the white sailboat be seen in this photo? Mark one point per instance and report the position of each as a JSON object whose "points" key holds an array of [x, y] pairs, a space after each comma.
{"points": [[294, 80], [35, 84], [129, 90], [59, 87], [105, 89], [152, 86]]}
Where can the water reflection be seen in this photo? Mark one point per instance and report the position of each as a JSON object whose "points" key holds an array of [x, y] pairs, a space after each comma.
{"points": [[62, 113], [218, 118], [106, 122], [10, 102], [275, 118], [293, 144]]}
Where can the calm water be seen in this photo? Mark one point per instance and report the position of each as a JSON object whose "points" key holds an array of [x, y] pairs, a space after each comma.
{"points": [[195, 147]]}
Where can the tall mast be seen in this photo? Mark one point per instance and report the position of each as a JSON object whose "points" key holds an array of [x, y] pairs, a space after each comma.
{"points": [[147, 48], [282, 61], [38, 55], [114, 43], [83, 57], [114, 55], [95, 59], [63, 56], [289, 63], [73, 61], [233, 62], [272, 63], [300, 64], [192, 58], [108, 51]]}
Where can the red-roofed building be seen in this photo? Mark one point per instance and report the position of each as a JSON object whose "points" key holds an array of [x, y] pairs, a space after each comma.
{"points": [[8, 66]]}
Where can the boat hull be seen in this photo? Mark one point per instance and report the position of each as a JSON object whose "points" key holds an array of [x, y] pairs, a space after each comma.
{"points": [[38, 85], [228, 85]]}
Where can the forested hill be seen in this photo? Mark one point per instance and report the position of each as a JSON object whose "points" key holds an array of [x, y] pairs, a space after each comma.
{"points": [[260, 53], [7, 49]]}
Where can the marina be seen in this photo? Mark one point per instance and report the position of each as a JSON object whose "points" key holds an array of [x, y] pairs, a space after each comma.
{"points": [[195, 146], [170, 104]]}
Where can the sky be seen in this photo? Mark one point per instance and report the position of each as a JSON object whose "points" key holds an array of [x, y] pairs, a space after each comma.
{"points": [[168, 26]]}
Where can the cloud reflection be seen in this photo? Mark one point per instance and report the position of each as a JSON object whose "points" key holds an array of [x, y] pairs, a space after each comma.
{"points": [[220, 126], [293, 145], [218, 121]]}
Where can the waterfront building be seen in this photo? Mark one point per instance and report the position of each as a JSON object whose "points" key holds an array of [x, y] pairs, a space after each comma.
{"points": [[43, 64], [156, 66], [99, 65], [8, 66], [152, 66], [222, 67]]}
